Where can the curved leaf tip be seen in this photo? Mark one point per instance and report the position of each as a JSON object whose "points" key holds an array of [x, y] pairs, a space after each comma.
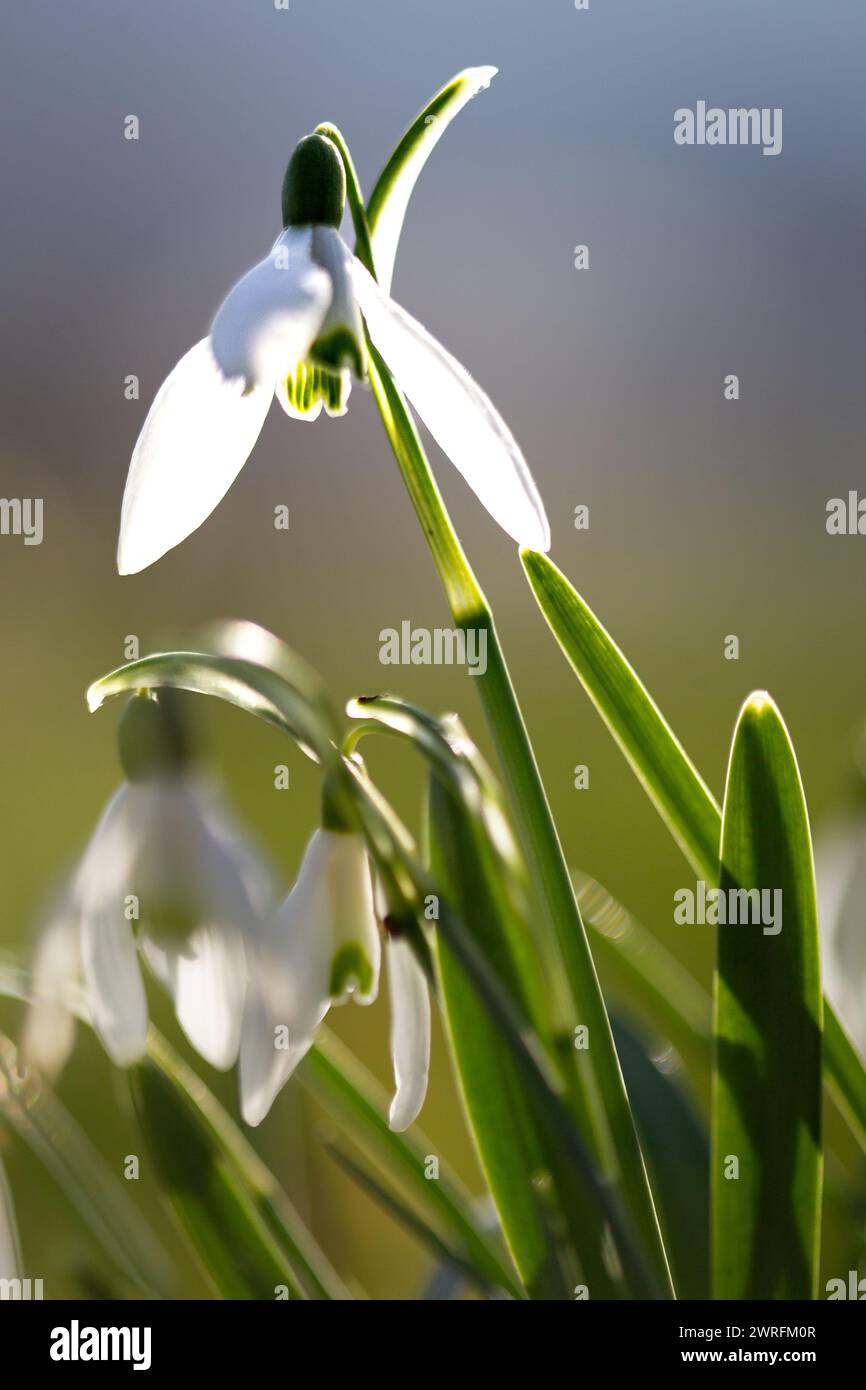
{"points": [[389, 200]]}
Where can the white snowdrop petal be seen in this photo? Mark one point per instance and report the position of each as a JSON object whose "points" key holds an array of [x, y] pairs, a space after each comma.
{"points": [[287, 989], [182, 865], [116, 998], [198, 435], [269, 320], [116, 994], [192, 861], [354, 930], [206, 977], [410, 1033], [461, 418]]}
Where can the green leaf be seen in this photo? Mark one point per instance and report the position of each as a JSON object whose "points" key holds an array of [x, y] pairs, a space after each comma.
{"points": [[452, 754], [89, 1184], [669, 778], [408, 1218], [405, 882], [678, 1154], [340, 1084], [562, 1141], [309, 1264], [389, 200], [45, 1127], [845, 1075], [767, 1095], [656, 757], [476, 863], [210, 1201], [500, 1119]]}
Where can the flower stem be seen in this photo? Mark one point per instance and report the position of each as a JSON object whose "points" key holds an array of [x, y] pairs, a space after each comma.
{"points": [[592, 1074]]}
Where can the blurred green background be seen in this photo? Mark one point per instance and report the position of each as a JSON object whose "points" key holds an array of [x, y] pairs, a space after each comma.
{"points": [[706, 516]]}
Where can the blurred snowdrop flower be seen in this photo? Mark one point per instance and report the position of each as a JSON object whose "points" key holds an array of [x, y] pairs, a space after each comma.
{"points": [[840, 872], [166, 870], [294, 327], [323, 947]]}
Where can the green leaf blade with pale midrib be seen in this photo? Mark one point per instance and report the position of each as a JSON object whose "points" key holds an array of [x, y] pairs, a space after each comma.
{"points": [[768, 1023], [669, 778]]}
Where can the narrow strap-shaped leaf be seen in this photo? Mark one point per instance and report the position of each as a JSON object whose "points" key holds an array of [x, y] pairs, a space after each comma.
{"points": [[211, 1203], [638, 1248], [102, 1201], [677, 1147], [556, 1125], [766, 1129], [499, 1116], [387, 204], [408, 1218], [655, 755], [669, 778], [310, 1265], [267, 695], [42, 1123], [345, 1089]]}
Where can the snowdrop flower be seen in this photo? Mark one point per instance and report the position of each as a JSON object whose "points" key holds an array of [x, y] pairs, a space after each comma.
{"points": [[165, 870], [294, 327], [323, 947]]}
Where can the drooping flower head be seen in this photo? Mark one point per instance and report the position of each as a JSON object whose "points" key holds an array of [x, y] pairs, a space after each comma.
{"points": [[296, 326], [323, 948], [168, 873]]}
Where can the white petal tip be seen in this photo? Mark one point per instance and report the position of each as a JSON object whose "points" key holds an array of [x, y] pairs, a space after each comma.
{"points": [[127, 565], [125, 1056], [402, 1114], [538, 540], [253, 1114]]}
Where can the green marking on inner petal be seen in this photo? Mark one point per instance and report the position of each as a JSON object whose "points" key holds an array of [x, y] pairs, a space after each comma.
{"points": [[310, 385], [340, 348], [351, 967]]}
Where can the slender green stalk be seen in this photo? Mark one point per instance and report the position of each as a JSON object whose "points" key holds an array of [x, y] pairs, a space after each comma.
{"points": [[593, 1075], [600, 1097]]}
